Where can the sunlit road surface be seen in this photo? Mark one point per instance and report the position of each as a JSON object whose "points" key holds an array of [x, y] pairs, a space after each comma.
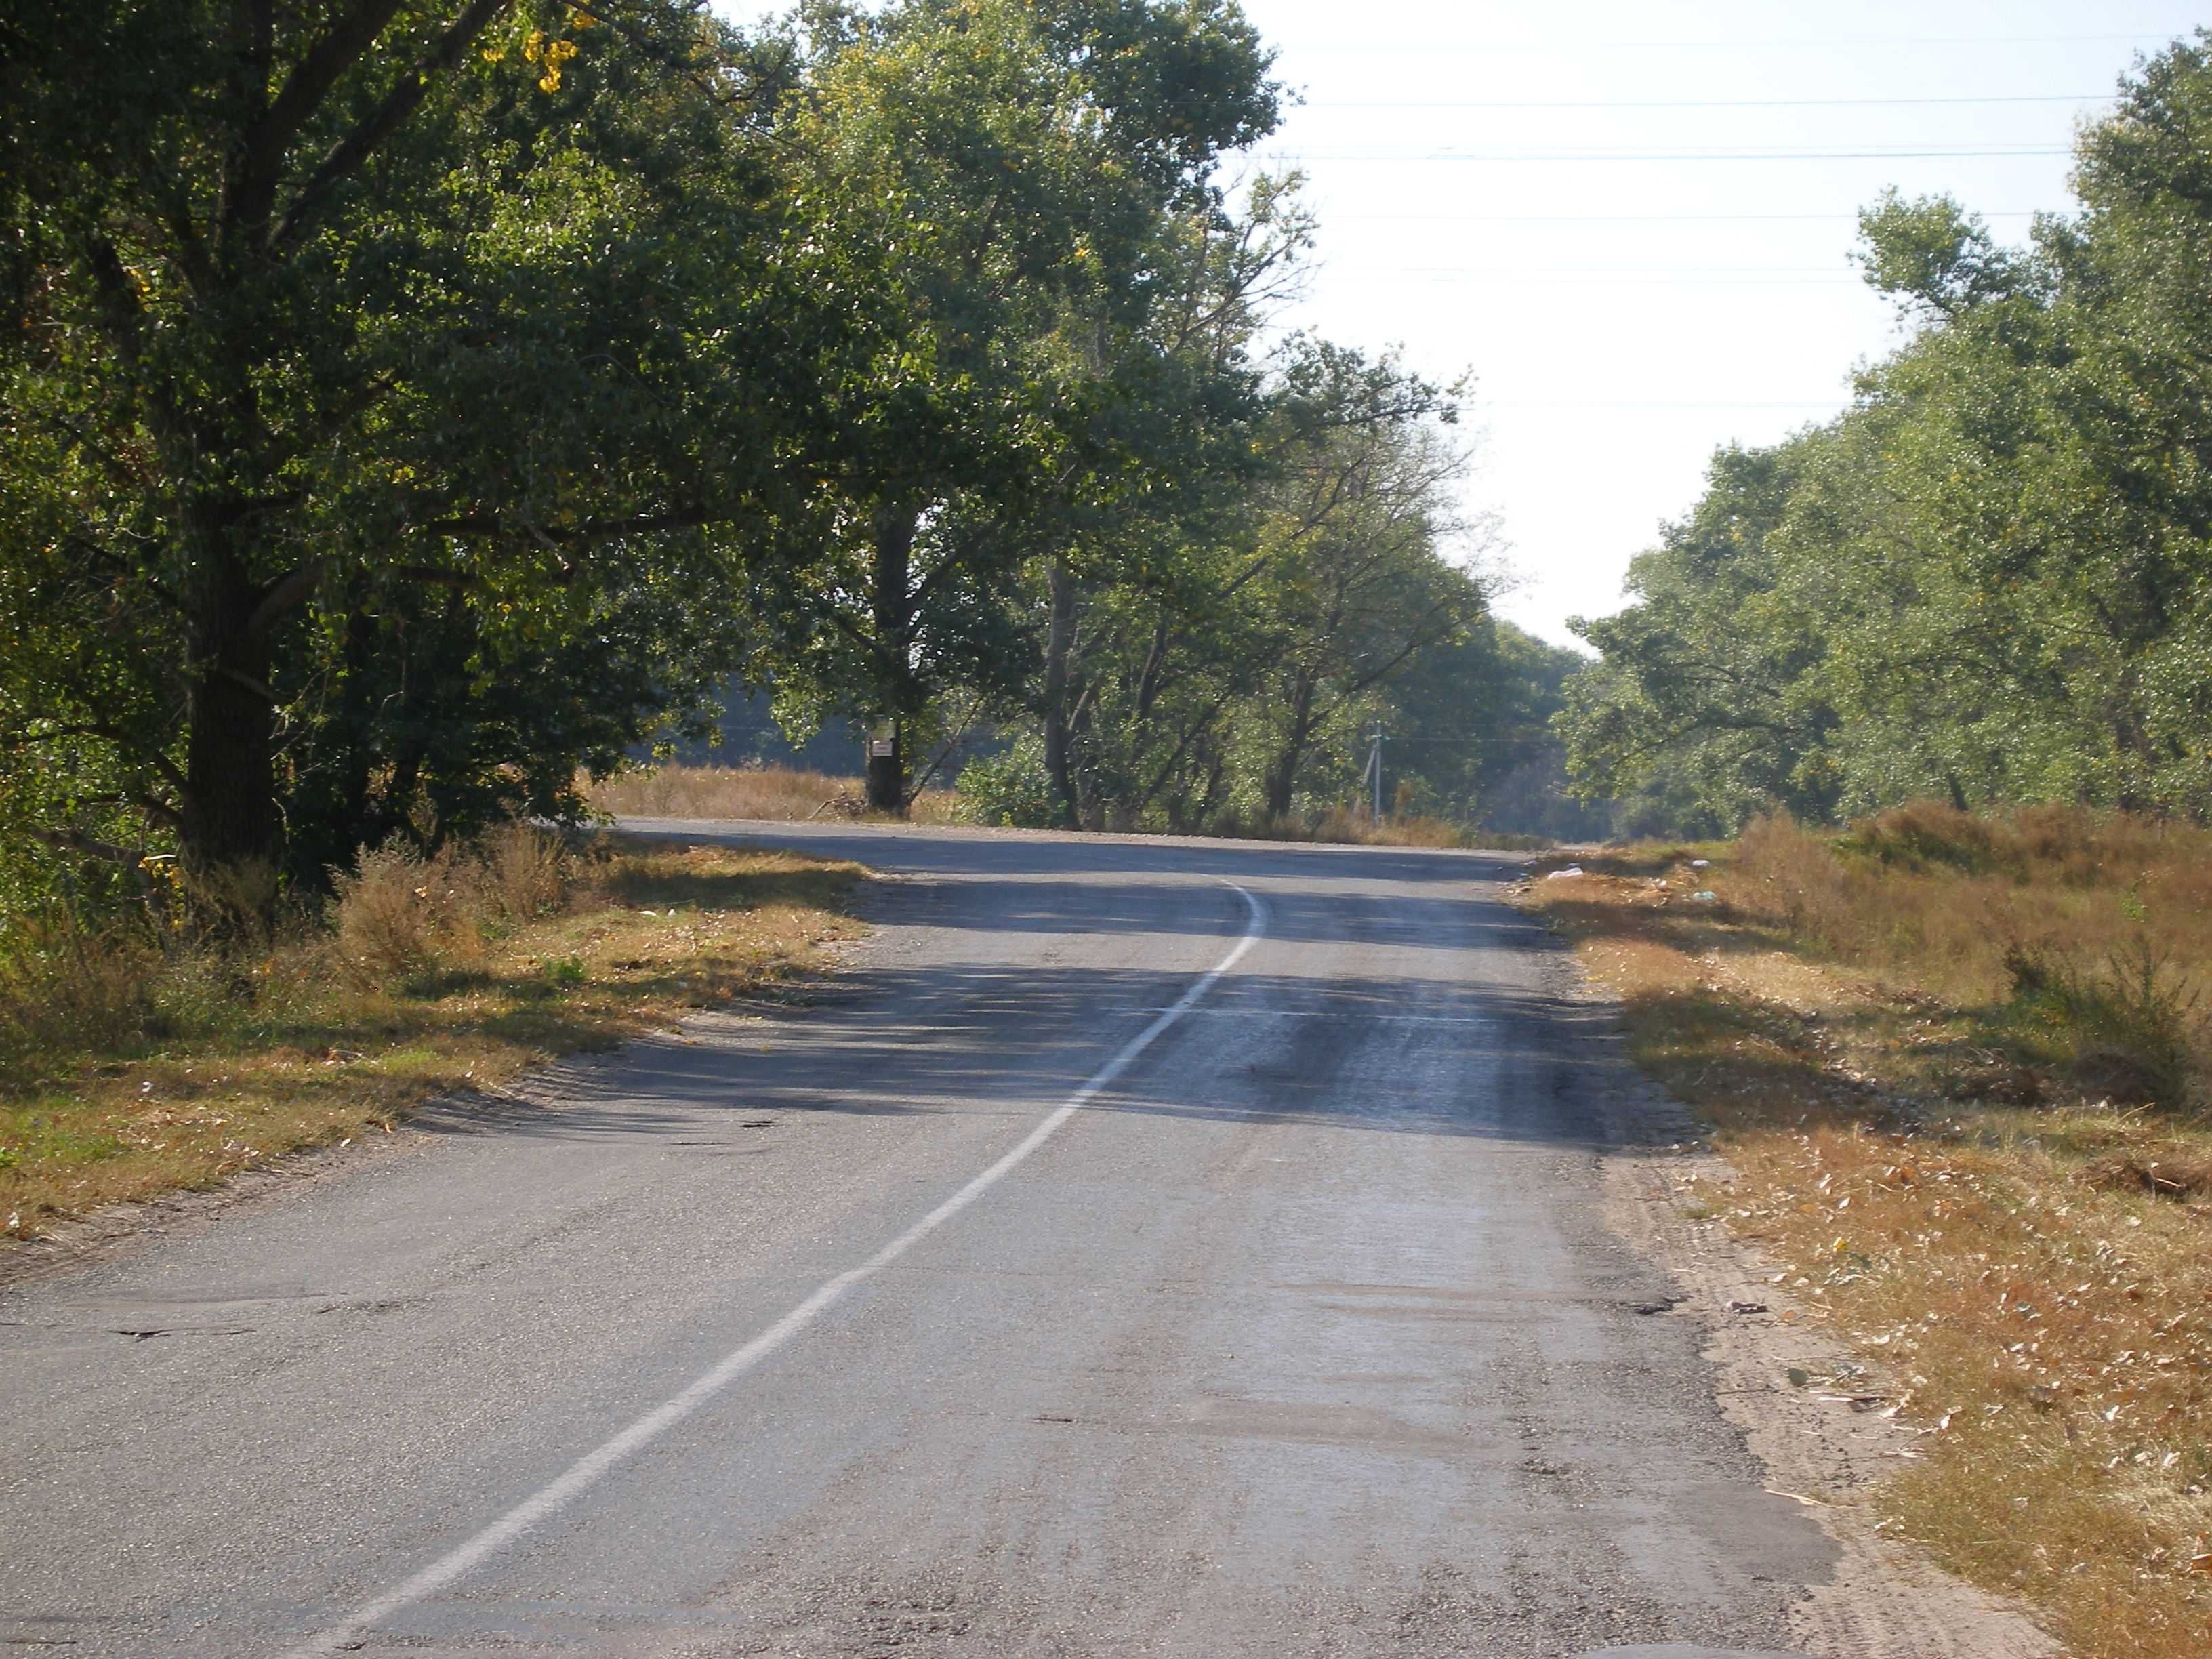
{"points": [[1139, 1248]]}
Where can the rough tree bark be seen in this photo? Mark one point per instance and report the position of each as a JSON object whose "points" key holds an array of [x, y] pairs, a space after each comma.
{"points": [[894, 531], [1059, 640], [231, 833], [1283, 773]]}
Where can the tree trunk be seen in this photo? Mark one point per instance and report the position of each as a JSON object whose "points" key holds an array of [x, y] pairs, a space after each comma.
{"points": [[335, 823], [1059, 639], [894, 531], [1283, 773], [231, 837]]}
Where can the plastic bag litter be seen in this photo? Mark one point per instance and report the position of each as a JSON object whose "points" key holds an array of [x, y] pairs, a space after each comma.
{"points": [[1561, 875]]}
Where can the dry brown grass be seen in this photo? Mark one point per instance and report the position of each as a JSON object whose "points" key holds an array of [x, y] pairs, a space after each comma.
{"points": [[1348, 826], [2026, 1267], [150, 1071], [1342, 824], [777, 792]]}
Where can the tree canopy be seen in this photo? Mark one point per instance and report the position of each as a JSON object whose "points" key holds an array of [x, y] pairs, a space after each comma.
{"points": [[1989, 581], [414, 408], [368, 355]]}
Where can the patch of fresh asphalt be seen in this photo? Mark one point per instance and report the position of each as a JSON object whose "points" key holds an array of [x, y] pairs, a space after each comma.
{"points": [[1301, 1337]]}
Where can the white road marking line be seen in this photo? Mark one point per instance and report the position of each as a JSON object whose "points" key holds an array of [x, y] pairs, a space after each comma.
{"points": [[1335, 1013], [586, 1470]]}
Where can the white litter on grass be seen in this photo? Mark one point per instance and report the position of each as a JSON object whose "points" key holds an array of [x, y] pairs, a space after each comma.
{"points": [[1705, 898], [1561, 875], [1701, 864]]}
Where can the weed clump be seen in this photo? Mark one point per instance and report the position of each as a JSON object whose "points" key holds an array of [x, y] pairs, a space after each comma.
{"points": [[1923, 835], [67, 985], [2124, 1027], [2084, 937], [400, 913]]}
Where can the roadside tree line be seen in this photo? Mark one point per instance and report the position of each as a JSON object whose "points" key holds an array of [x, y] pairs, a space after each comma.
{"points": [[411, 405], [1990, 581]]}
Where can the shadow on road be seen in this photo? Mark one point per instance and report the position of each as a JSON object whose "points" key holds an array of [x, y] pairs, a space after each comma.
{"points": [[1409, 1004], [1384, 1056]]}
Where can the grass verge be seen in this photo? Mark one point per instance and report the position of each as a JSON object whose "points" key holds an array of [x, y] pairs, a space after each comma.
{"points": [[784, 793], [137, 1072], [1924, 1139], [778, 793]]}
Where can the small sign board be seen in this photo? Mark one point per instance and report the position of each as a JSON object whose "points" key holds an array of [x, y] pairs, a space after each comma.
{"points": [[882, 748]]}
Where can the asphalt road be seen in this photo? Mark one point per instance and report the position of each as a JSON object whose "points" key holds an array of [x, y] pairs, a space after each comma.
{"points": [[1143, 1249]]}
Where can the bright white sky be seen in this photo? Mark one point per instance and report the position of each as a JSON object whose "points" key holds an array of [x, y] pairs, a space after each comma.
{"points": [[1631, 218]]}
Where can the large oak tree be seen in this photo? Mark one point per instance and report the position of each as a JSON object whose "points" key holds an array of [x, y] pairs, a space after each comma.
{"points": [[323, 310]]}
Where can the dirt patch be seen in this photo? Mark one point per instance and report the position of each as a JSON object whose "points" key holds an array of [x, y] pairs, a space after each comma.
{"points": [[1820, 1420]]}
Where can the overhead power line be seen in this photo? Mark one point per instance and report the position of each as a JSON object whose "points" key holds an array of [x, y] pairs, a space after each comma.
{"points": [[1725, 103], [1651, 282], [1588, 270], [1585, 44], [1480, 405], [1984, 151], [1846, 216]]}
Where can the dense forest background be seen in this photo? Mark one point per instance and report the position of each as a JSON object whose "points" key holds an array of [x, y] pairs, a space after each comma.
{"points": [[415, 408], [1989, 582]]}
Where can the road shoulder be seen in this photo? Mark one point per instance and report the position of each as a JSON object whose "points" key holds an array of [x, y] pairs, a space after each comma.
{"points": [[1822, 1443]]}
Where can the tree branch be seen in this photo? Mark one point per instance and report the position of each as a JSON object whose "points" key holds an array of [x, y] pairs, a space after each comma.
{"points": [[358, 145], [252, 197], [115, 734], [286, 594], [73, 841], [696, 518]]}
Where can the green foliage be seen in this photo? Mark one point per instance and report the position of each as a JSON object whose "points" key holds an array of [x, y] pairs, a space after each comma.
{"points": [[1931, 254], [1991, 581], [1706, 673], [364, 347], [2132, 1004], [1470, 724], [410, 408], [1010, 789], [1212, 647], [1003, 180]]}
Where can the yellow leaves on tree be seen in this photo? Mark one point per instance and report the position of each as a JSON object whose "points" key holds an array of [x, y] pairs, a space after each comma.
{"points": [[537, 49]]}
